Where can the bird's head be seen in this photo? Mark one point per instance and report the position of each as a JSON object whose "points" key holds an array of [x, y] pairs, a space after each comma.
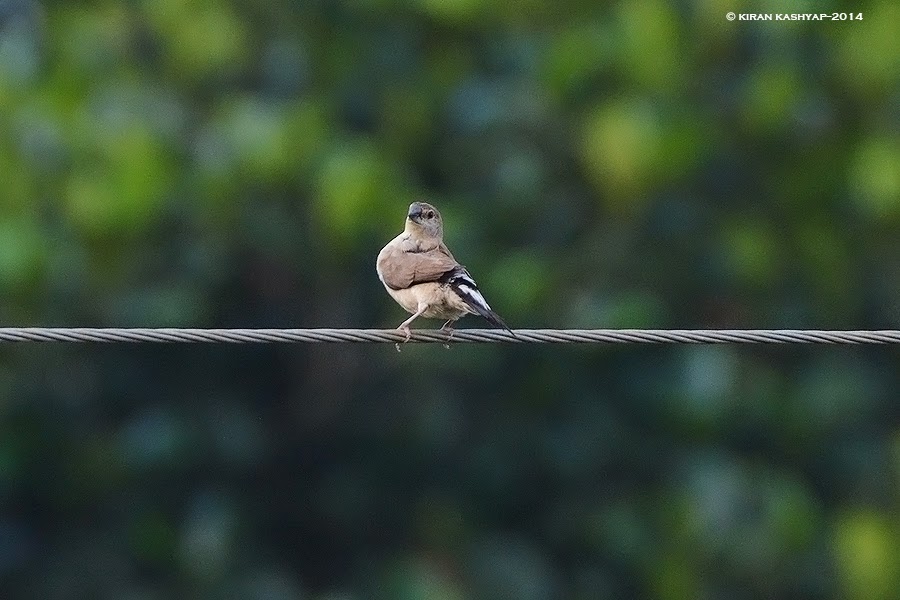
{"points": [[425, 219]]}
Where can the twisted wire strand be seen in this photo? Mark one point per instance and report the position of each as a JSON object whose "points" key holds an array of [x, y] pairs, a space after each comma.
{"points": [[520, 336]]}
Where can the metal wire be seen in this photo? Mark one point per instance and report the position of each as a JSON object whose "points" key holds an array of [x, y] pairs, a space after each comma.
{"points": [[530, 336]]}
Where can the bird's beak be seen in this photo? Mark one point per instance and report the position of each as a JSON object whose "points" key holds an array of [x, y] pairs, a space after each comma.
{"points": [[415, 212]]}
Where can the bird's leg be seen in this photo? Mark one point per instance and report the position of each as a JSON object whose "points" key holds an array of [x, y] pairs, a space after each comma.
{"points": [[404, 326], [448, 328]]}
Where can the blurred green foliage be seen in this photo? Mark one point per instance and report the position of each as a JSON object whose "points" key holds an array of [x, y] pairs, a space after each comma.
{"points": [[635, 164]]}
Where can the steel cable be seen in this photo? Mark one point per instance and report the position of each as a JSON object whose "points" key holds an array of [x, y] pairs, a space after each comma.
{"points": [[520, 336]]}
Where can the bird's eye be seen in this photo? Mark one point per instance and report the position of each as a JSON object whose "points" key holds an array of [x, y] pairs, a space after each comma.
{"points": [[429, 214]]}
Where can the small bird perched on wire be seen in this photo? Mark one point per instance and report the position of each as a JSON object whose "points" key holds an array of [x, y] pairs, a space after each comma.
{"points": [[420, 273]]}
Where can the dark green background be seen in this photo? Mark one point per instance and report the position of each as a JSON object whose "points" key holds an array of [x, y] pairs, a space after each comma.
{"points": [[214, 163]]}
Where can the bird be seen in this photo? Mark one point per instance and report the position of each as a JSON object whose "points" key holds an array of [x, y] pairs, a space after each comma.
{"points": [[421, 275]]}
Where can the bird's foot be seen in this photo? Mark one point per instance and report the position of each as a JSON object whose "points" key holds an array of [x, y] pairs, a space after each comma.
{"points": [[448, 329], [404, 329]]}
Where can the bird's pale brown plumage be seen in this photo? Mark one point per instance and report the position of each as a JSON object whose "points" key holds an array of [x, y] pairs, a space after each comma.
{"points": [[421, 274], [403, 265]]}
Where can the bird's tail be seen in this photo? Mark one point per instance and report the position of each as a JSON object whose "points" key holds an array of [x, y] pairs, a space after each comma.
{"points": [[465, 287]]}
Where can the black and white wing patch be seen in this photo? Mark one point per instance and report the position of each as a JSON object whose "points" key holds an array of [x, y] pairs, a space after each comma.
{"points": [[466, 288]]}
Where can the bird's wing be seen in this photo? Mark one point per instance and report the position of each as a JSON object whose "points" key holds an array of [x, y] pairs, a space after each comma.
{"points": [[465, 287], [401, 268]]}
